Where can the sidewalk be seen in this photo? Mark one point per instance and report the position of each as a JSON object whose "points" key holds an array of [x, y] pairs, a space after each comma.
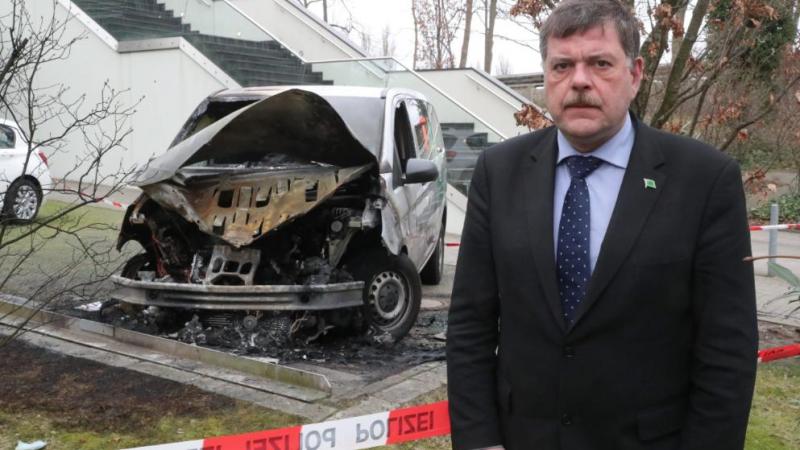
{"points": [[768, 288]]}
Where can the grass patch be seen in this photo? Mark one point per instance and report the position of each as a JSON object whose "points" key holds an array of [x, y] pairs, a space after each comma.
{"points": [[775, 415], [73, 255]]}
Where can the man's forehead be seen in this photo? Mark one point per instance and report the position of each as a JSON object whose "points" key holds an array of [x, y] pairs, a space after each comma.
{"points": [[595, 40]]}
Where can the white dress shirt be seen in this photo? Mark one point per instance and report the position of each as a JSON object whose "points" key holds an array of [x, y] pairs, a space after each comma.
{"points": [[603, 183]]}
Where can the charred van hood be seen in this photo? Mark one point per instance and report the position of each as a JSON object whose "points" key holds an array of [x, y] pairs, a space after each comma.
{"points": [[260, 166], [297, 123]]}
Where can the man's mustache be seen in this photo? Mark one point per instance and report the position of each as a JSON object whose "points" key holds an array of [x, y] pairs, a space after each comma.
{"points": [[582, 100]]}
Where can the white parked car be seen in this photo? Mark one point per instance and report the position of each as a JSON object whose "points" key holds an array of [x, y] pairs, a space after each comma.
{"points": [[21, 186]]}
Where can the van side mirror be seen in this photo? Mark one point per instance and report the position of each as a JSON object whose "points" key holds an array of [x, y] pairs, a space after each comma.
{"points": [[420, 171]]}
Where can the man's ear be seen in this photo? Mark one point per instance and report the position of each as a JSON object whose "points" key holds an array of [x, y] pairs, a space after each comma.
{"points": [[637, 69]]}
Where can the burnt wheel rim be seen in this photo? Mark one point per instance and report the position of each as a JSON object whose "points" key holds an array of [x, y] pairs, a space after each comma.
{"points": [[388, 298], [26, 202]]}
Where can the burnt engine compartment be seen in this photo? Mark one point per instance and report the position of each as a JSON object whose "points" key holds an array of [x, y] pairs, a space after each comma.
{"points": [[307, 250]]}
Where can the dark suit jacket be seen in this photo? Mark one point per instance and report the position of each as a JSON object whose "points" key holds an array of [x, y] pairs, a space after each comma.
{"points": [[663, 351]]}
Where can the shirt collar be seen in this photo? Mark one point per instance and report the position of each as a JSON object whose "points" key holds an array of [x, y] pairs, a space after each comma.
{"points": [[615, 151]]}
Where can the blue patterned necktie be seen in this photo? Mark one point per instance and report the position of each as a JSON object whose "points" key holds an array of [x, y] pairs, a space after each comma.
{"points": [[574, 265]]}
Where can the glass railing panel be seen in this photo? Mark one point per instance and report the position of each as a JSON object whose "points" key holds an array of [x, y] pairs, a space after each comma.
{"points": [[216, 18], [352, 73]]}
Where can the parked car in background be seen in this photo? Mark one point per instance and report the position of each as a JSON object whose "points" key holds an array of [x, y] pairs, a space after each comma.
{"points": [[24, 176], [296, 210]]}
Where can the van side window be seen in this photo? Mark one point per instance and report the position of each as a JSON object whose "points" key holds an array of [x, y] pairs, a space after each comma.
{"points": [[435, 130], [403, 139], [418, 116], [7, 137]]}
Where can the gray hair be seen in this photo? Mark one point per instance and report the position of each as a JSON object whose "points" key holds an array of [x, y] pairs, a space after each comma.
{"points": [[577, 16]]}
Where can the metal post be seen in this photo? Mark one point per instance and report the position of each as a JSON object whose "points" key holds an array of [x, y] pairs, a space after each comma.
{"points": [[773, 235]]}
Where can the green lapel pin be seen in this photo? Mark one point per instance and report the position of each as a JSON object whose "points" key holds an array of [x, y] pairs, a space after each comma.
{"points": [[649, 183]]}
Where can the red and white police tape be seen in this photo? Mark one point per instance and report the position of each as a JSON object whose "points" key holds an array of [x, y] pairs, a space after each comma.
{"points": [[373, 430], [113, 203], [105, 200], [785, 226], [775, 353]]}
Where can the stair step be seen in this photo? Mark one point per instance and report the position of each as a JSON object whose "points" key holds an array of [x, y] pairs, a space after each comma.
{"points": [[251, 72], [121, 27], [138, 16], [127, 35], [266, 44], [277, 67], [240, 53], [260, 83], [268, 79], [242, 44], [126, 22], [112, 7], [267, 58]]}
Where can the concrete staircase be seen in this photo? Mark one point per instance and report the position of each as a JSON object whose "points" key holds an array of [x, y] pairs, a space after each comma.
{"points": [[250, 63]]}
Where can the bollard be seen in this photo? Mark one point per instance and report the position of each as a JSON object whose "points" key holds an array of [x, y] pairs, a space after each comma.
{"points": [[773, 236]]}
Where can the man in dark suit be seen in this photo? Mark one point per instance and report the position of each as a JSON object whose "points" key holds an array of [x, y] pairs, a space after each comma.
{"points": [[600, 298]]}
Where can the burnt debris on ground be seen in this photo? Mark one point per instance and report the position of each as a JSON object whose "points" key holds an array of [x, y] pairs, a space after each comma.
{"points": [[276, 336]]}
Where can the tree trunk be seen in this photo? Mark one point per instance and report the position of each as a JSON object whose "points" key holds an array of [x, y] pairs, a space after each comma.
{"points": [[658, 38], [439, 17], [467, 30], [680, 16], [488, 44], [676, 73], [416, 32]]}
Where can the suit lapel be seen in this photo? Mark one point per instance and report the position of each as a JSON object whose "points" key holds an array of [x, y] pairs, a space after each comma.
{"points": [[539, 181], [634, 203]]}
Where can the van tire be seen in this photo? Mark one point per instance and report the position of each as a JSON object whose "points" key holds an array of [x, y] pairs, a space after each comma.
{"points": [[434, 269], [392, 291]]}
